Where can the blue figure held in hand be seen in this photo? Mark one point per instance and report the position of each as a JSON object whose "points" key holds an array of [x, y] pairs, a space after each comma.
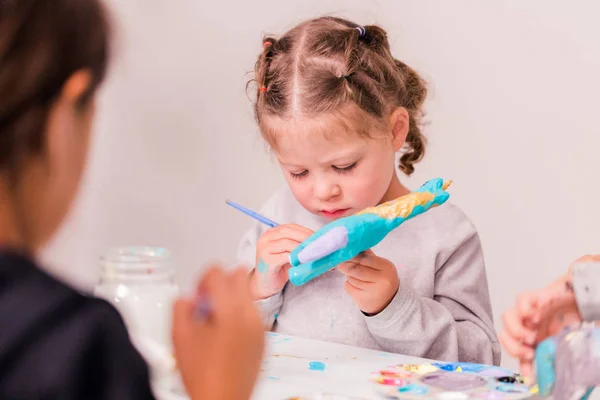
{"points": [[568, 364], [344, 239]]}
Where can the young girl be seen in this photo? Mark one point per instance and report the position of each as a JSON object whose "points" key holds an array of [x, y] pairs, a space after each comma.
{"points": [[335, 106], [56, 343]]}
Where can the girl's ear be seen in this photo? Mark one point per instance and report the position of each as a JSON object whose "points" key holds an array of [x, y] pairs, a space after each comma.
{"points": [[400, 124]]}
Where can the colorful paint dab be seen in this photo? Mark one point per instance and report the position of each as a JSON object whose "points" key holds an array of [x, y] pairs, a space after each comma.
{"points": [[389, 380], [419, 368], [412, 388], [460, 367], [316, 366], [395, 373]]}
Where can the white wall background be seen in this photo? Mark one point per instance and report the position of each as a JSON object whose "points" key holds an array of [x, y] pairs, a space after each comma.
{"points": [[513, 111]]}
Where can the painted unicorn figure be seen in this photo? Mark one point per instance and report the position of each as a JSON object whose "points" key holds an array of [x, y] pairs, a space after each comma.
{"points": [[345, 238]]}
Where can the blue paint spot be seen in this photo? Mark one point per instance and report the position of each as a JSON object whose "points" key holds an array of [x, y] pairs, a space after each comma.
{"points": [[414, 389], [385, 354], [464, 366], [263, 270], [262, 267], [277, 336], [316, 366], [275, 316], [508, 388], [273, 378]]}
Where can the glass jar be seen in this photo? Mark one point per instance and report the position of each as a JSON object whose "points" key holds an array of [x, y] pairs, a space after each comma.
{"points": [[140, 283]]}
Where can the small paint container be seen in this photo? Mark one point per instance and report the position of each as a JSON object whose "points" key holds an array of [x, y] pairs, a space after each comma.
{"points": [[390, 381], [395, 373]]}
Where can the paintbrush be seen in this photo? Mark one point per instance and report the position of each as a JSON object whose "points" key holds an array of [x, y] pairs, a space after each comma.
{"points": [[253, 214], [203, 303]]}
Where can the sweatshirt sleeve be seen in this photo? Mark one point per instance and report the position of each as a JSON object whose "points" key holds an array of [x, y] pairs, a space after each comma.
{"points": [[457, 323], [586, 284]]}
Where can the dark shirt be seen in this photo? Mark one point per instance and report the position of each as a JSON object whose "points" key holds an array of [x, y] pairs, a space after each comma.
{"points": [[58, 344]]}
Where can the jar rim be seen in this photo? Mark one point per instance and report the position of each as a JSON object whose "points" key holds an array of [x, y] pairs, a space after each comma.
{"points": [[136, 254], [118, 262]]}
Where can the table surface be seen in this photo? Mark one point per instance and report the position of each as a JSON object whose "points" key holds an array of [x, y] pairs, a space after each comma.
{"points": [[286, 370], [306, 369], [290, 370]]}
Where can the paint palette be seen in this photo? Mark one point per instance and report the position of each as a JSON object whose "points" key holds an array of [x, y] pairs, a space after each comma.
{"points": [[452, 381]]}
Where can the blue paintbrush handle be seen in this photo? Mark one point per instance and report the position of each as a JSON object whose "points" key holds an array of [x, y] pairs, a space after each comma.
{"points": [[253, 214]]}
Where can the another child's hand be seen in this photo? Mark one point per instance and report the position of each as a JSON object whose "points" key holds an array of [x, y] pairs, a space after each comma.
{"points": [[519, 335], [229, 342], [535, 317], [371, 281], [273, 258]]}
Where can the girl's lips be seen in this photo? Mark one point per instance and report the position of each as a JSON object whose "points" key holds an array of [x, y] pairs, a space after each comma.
{"points": [[333, 213]]}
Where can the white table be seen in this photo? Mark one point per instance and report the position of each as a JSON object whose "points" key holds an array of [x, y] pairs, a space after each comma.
{"points": [[286, 369], [286, 372]]}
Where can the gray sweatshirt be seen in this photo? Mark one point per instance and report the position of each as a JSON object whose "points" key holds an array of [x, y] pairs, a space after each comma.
{"points": [[441, 311], [586, 284]]}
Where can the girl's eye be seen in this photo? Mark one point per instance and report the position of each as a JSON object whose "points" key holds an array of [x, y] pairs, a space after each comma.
{"points": [[345, 169], [299, 175]]}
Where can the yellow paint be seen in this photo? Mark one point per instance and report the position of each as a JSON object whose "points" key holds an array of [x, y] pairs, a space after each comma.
{"points": [[403, 206], [534, 389], [400, 207], [419, 368], [459, 369]]}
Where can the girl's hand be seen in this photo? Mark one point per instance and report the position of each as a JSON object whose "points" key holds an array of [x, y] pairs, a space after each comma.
{"points": [[272, 258], [371, 281]]}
